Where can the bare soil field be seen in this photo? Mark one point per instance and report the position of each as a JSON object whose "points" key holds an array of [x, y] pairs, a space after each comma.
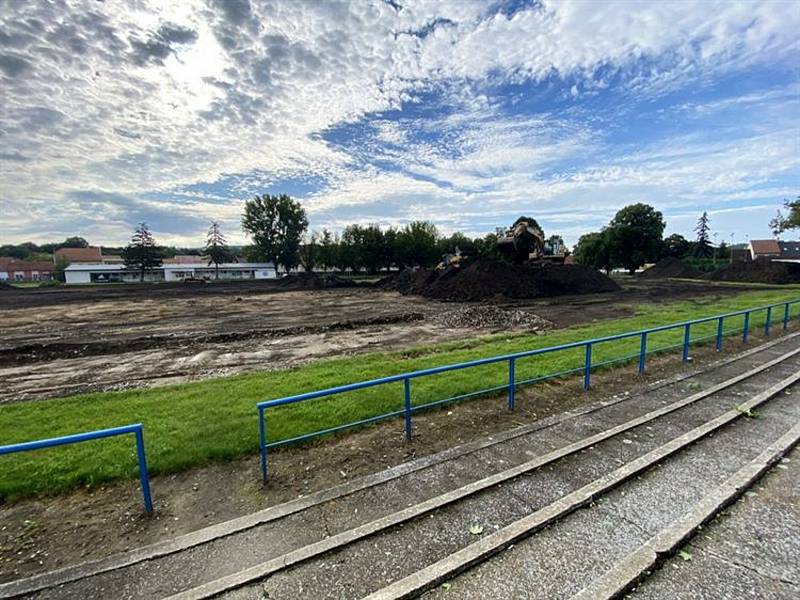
{"points": [[68, 340]]}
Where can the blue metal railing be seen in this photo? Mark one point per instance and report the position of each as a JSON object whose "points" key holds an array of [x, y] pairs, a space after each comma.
{"points": [[512, 384], [135, 429]]}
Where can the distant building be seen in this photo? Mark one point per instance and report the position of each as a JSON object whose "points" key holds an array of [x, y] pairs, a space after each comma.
{"points": [[26, 270], [92, 254], [78, 273], [184, 259], [774, 249], [790, 249]]}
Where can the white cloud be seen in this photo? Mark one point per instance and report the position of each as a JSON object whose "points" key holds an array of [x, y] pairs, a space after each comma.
{"points": [[249, 89]]}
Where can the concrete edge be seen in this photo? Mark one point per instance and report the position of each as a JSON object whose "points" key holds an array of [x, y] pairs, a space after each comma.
{"points": [[233, 526], [636, 566], [431, 576]]}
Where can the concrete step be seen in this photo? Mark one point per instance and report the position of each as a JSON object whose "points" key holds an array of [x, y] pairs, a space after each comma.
{"points": [[511, 476], [570, 548]]}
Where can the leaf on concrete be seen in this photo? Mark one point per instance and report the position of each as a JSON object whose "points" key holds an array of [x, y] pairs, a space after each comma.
{"points": [[476, 529], [447, 585], [687, 556]]}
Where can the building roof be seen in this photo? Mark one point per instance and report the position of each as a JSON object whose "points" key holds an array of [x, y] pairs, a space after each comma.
{"points": [[86, 255], [182, 259], [12, 264], [180, 267], [765, 247]]}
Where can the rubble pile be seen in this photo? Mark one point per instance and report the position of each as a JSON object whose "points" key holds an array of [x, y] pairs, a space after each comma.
{"points": [[490, 317]]}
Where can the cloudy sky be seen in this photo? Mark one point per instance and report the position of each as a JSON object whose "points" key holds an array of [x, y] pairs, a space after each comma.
{"points": [[467, 113]]}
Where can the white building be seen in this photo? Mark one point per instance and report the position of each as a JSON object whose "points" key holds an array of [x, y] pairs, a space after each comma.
{"points": [[105, 273]]}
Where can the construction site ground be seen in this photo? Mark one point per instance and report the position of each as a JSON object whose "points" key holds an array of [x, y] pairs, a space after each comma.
{"points": [[63, 341]]}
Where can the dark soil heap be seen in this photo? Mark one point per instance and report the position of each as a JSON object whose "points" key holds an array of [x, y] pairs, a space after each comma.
{"points": [[761, 270], [671, 267], [483, 279], [313, 281]]}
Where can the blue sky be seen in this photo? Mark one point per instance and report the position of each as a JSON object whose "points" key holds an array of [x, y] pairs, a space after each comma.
{"points": [[463, 112]]}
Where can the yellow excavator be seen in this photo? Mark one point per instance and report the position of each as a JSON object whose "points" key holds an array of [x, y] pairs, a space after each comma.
{"points": [[524, 242]]}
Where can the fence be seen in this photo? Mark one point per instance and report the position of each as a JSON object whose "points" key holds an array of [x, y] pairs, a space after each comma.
{"points": [[96, 435], [513, 382]]}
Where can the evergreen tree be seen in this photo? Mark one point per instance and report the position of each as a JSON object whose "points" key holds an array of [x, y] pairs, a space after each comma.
{"points": [[142, 253], [702, 245], [216, 250]]}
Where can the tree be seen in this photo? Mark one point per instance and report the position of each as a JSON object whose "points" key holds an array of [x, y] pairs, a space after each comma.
{"points": [[594, 250], [142, 253], [417, 244], [780, 223], [676, 246], [276, 224], [327, 250], [702, 245], [634, 236], [74, 242], [309, 252], [216, 249]]}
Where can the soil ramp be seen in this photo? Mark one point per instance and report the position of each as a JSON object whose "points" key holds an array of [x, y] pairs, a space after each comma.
{"points": [[671, 267], [758, 271]]}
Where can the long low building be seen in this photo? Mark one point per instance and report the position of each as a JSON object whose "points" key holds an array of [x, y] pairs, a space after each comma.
{"points": [[105, 273]]}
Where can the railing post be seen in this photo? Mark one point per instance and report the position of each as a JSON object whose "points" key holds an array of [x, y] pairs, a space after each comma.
{"points": [[642, 352], [587, 368], [786, 316], [407, 392], [720, 331], [769, 320], [687, 332], [262, 443], [144, 478], [746, 331], [511, 385]]}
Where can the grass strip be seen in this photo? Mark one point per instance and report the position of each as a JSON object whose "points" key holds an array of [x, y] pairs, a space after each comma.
{"points": [[192, 424]]}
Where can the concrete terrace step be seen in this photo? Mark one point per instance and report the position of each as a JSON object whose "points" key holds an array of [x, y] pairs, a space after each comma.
{"points": [[523, 471], [570, 547]]}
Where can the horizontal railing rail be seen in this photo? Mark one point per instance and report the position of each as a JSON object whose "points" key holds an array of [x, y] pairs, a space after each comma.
{"points": [[136, 429], [511, 359]]}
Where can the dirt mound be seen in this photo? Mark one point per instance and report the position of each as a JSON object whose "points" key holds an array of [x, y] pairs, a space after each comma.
{"points": [[483, 279], [762, 270], [490, 317], [671, 267], [313, 281]]}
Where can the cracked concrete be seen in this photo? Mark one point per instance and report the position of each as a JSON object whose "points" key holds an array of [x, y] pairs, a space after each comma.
{"points": [[751, 550]]}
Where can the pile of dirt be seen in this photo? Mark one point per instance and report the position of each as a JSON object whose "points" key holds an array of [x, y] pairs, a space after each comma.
{"points": [[761, 270], [490, 317], [484, 279], [671, 267], [313, 281]]}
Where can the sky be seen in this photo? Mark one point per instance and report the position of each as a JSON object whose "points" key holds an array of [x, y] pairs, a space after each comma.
{"points": [[466, 113]]}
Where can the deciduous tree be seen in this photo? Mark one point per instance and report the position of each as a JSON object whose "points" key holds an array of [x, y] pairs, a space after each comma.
{"points": [[276, 224]]}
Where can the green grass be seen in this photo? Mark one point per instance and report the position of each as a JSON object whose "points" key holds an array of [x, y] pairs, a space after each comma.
{"points": [[192, 424]]}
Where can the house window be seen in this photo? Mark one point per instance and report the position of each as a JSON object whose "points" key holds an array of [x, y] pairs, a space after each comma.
{"points": [[19, 276], [35, 275]]}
